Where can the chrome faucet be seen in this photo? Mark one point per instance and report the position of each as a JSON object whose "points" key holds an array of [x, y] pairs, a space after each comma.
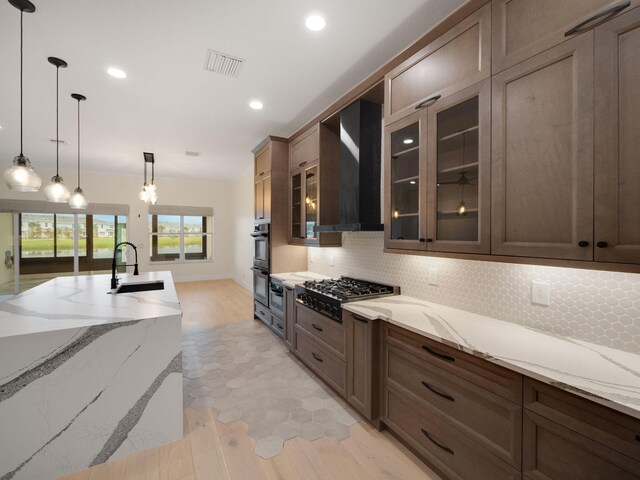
{"points": [[114, 279]]}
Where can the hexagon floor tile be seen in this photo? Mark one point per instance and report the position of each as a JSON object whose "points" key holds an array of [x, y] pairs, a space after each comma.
{"points": [[248, 374]]}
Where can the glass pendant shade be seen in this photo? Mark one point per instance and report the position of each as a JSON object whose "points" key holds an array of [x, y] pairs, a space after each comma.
{"points": [[149, 194], [56, 191], [21, 176], [462, 209], [144, 193], [77, 200]]}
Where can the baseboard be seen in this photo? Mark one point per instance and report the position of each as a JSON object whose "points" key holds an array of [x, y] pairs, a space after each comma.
{"points": [[201, 278], [244, 284]]}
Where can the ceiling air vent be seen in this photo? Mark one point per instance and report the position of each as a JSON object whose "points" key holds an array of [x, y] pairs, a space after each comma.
{"points": [[60, 142], [223, 63], [189, 153]]}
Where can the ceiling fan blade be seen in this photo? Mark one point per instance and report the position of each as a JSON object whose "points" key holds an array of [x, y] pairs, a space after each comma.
{"points": [[455, 182]]}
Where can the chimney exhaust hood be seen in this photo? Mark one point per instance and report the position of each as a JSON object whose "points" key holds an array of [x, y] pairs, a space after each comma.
{"points": [[360, 167]]}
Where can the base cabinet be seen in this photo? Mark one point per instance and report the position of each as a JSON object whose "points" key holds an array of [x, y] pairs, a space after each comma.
{"points": [[289, 315], [362, 364]]}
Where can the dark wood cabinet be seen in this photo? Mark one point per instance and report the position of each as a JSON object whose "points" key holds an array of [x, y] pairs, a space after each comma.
{"points": [[313, 187], [459, 58], [542, 155], [617, 143], [524, 28], [363, 391], [262, 198], [289, 316]]}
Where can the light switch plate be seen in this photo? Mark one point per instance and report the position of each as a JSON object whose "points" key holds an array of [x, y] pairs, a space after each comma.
{"points": [[540, 293], [433, 276]]}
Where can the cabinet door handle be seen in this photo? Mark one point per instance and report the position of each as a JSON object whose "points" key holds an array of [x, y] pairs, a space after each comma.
{"points": [[448, 358], [443, 395], [302, 164], [604, 13], [583, 243], [317, 357], [437, 444], [638, 437], [261, 173], [428, 100], [422, 240], [317, 327], [602, 244]]}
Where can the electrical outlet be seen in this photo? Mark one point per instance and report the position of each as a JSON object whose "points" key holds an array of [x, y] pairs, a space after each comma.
{"points": [[433, 276], [540, 293]]}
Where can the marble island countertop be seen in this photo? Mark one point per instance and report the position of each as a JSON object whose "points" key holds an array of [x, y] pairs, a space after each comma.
{"points": [[83, 301], [602, 374], [87, 376], [291, 279]]}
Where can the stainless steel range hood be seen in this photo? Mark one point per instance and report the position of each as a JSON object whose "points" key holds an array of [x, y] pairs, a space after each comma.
{"points": [[360, 166]]}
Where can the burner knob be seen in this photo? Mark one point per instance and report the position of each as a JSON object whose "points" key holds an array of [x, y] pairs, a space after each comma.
{"points": [[314, 302], [335, 311], [303, 297], [322, 306]]}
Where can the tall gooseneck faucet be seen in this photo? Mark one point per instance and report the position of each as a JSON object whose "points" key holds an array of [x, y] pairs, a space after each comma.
{"points": [[114, 279]]}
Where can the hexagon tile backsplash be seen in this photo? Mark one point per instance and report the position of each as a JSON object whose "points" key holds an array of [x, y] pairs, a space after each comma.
{"points": [[599, 307]]}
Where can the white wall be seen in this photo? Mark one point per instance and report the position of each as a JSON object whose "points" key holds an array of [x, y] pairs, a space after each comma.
{"points": [[242, 191], [599, 307], [6, 243], [125, 189]]}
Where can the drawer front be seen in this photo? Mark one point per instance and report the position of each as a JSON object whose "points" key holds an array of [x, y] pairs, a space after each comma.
{"points": [[331, 333], [496, 379], [329, 367], [305, 148], [451, 451], [279, 324], [614, 429], [492, 421], [524, 28], [459, 58], [552, 451], [262, 312]]}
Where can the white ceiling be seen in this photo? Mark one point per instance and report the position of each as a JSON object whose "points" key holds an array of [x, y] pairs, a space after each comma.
{"points": [[169, 104]]}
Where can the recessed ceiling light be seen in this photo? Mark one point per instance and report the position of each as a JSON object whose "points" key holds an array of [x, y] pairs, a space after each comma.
{"points": [[408, 141], [116, 72], [315, 23], [256, 104]]}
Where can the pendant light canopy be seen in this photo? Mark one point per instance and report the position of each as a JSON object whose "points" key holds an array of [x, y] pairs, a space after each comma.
{"points": [[57, 191], [21, 176], [149, 194], [77, 200]]}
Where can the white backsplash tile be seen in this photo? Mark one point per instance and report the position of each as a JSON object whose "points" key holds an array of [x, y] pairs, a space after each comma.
{"points": [[599, 307]]}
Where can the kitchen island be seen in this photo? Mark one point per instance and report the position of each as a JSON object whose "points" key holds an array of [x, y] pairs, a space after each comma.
{"points": [[87, 376]]}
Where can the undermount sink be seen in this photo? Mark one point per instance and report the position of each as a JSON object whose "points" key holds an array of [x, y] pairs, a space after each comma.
{"points": [[131, 287]]}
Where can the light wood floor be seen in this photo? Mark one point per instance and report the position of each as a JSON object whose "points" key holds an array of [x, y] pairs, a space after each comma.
{"points": [[217, 451]]}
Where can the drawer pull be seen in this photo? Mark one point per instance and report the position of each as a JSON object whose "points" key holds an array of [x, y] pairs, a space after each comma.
{"points": [[428, 100], [302, 164], [448, 358], [279, 326], [317, 357], [320, 329], [437, 444], [443, 395], [610, 11]]}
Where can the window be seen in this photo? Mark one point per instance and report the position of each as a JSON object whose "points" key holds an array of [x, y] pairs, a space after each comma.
{"points": [[47, 241], [175, 237]]}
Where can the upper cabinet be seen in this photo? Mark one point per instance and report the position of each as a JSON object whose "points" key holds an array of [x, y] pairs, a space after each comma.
{"points": [[617, 142], [459, 58], [524, 28], [542, 173], [313, 187], [262, 183]]}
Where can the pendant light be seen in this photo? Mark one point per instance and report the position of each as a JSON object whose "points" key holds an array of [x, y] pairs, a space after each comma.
{"points": [[21, 176], [57, 191], [149, 194], [461, 211], [77, 200]]}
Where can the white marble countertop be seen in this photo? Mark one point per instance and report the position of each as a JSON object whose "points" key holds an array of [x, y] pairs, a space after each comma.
{"points": [[291, 279], [83, 301], [604, 375]]}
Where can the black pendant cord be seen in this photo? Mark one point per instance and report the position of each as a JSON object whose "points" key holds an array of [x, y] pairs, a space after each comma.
{"points": [[57, 120], [78, 143], [21, 48]]}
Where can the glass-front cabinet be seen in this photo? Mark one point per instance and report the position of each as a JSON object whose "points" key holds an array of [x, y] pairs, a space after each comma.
{"points": [[305, 204], [296, 205], [437, 175], [458, 171], [310, 201], [405, 161]]}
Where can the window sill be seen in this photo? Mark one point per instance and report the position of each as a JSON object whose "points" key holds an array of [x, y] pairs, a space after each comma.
{"points": [[178, 262]]}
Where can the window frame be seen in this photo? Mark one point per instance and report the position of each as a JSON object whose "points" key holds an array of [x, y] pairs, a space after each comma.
{"points": [[182, 256]]}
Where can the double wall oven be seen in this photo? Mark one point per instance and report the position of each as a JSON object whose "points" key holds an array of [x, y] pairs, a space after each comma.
{"points": [[260, 267]]}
